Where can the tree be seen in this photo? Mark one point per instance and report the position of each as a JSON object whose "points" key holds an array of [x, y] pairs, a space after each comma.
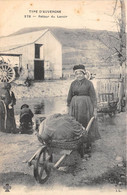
{"points": [[118, 46], [122, 33]]}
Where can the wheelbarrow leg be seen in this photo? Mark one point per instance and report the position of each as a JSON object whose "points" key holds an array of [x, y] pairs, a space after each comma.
{"points": [[65, 153], [59, 161]]}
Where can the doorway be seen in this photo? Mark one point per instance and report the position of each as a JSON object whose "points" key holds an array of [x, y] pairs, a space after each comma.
{"points": [[39, 69]]}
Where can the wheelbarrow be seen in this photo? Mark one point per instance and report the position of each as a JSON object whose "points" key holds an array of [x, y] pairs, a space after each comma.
{"points": [[107, 104], [42, 160]]}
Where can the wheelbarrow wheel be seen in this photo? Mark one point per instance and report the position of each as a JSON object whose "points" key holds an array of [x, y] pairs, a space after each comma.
{"points": [[41, 168]]}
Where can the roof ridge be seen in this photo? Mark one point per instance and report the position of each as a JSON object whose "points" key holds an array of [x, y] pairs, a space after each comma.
{"points": [[45, 30], [22, 39]]}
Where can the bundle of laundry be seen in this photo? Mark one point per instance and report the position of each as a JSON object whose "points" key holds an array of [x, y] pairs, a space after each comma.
{"points": [[60, 127]]}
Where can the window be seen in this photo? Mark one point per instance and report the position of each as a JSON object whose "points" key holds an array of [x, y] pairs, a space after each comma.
{"points": [[37, 50]]}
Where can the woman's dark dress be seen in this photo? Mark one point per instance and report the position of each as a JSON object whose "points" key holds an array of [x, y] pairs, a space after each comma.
{"points": [[3, 109], [82, 101], [2, 115], [11, 124], [7, 119]]}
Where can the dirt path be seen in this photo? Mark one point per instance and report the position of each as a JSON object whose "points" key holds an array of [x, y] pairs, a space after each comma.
{"points": [[96, 171]]}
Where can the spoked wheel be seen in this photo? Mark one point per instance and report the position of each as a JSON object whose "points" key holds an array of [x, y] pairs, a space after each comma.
{"points": [[41, 167], [7, 73]]}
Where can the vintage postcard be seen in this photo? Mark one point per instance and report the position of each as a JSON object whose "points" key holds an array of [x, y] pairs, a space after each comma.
{"points": [[63, 97]]}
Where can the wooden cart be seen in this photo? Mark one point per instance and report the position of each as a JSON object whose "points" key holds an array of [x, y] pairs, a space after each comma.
{"points": [[7, 72], [42, 160]]}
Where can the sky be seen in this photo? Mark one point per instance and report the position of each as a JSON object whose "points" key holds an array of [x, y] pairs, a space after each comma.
{"points": [[90, 14]]}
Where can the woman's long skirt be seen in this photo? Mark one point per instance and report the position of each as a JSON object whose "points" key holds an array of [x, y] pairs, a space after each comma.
{"points": [[82, 109], [2, 116], [11, 124]]}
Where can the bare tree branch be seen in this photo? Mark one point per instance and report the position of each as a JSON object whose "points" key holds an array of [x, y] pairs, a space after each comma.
{"points": [[118, 51], [109, 47], [115, 7], [111, 56], [104, 43], [112, 36]]}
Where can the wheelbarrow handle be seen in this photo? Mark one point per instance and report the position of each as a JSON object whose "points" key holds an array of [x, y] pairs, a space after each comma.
{"points": [[89, 124]]}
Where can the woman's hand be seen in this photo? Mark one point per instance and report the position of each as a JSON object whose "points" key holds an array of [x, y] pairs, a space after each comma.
{"points": [[95, 112]]}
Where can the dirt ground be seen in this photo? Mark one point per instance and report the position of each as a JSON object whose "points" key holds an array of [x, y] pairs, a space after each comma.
{"points": [[95, 171], [104, 169]]}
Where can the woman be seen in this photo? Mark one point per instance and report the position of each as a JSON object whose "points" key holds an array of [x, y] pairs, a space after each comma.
{"points": [[3, 108], [82, 102], [10, 101], [3, 113]]}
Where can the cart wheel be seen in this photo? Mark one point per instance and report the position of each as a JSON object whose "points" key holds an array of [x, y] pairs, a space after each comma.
{"points": [[41, 168], [7, 73]]}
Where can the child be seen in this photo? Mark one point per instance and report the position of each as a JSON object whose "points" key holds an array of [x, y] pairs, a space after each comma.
{"points": [[26, 116]]}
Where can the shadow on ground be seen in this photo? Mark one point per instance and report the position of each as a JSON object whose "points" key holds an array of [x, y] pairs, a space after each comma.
{"points": [[16, 178]]}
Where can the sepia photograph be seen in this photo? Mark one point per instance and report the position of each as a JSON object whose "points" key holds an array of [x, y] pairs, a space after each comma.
{"points": [[63, 97]]}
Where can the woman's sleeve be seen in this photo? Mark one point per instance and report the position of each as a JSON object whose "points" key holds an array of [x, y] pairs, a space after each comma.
{"points": [[70, 95], [92, 95]]}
